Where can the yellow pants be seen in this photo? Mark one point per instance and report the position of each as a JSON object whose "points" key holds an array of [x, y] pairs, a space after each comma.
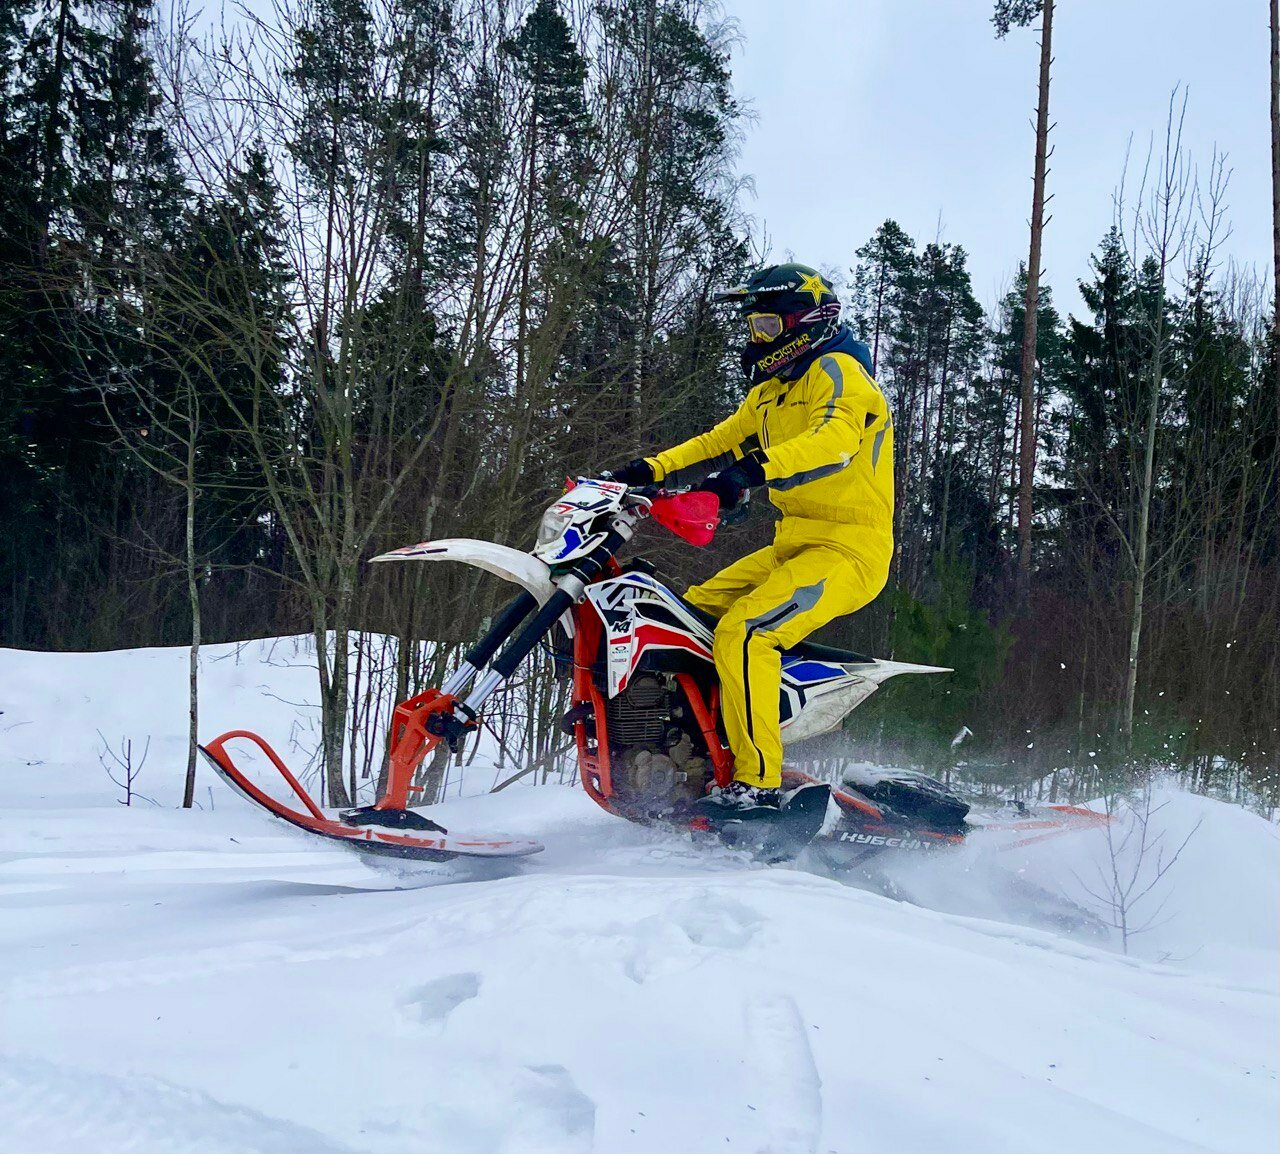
{"points": [[772, 599]]}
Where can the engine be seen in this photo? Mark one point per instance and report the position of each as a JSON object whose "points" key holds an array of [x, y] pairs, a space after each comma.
{"points": [[656, 765], [640, 714]]}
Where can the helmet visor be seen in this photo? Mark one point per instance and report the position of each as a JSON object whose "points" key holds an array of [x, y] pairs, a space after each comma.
{"points": [[765, 327]]}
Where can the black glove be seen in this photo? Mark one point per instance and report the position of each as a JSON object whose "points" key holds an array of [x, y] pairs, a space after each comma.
{"points": [[729, 484], [637, 472]]}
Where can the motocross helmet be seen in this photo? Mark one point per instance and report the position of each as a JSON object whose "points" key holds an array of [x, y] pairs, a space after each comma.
{"points": [[789, 310]]}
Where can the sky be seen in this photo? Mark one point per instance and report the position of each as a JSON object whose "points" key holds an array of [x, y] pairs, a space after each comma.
{"points": [[912, 109]]}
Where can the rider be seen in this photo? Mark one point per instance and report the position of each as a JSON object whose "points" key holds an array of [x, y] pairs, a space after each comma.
{"points": [[816, 430]]}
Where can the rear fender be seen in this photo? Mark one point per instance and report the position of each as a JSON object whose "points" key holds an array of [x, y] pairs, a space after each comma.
{"points": [[879, 671], [826, 710], [820, 703]]}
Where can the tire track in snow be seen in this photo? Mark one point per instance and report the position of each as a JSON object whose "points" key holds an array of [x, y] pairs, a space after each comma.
{"points": [[790, 1096], [50, 1109]]}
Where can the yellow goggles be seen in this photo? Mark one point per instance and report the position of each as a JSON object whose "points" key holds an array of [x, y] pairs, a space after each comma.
{"points": [[765, 327]]}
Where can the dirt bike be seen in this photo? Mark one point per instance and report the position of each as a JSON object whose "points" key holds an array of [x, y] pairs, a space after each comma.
{"points": [[645, 708]]}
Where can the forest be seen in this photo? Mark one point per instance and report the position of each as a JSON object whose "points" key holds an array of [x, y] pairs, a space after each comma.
{"points": [[283, 292]]}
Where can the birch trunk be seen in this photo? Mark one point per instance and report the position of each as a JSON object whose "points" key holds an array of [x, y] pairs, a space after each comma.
{"points": [[1143, 546], [193, 598]]}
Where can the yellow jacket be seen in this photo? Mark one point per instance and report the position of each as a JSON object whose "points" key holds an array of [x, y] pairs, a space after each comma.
{"points": [[827, 441]]}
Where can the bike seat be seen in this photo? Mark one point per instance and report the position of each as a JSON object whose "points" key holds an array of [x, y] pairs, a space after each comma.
{"points": [[710, 620], [806, 650], [812, 651]]}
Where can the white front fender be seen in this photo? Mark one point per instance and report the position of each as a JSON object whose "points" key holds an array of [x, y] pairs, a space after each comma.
{"points": [[512, 565]]}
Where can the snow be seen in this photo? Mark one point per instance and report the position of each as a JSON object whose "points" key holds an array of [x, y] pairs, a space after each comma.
{"points": [[212, 982]]}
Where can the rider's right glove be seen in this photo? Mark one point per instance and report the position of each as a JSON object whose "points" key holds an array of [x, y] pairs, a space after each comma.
{"points": [[637, 472]]}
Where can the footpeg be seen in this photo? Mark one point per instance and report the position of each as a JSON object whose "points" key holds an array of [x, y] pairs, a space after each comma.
{"points": [[583, 711]]}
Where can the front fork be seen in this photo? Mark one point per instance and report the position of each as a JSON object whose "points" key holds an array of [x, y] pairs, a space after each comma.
{"points": [[419, 724]]}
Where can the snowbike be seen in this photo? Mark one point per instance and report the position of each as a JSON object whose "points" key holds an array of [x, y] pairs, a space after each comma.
{"points": [[644, 712]]}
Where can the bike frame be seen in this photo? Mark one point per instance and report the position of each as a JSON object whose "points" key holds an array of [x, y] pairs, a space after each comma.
{"points": [[421, 722], [590, 728]]}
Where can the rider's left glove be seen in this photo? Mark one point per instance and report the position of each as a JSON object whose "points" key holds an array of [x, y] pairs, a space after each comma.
{"points": [[729, 484], [637, 472]]}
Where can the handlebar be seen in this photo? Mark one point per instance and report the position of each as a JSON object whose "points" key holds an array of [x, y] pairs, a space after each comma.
{"points": [[726, 518]]}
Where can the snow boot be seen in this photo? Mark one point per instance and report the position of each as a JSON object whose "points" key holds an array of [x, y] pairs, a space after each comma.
{"points": [[771, 825], [741, 795]]}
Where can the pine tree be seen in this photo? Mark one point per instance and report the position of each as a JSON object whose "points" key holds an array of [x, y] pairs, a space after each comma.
{"points": [[881, 280], [554, 168], [1010, 13], [87, 166]]}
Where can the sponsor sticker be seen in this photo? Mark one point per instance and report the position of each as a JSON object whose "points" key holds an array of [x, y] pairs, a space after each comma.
{"points": [[889, 842]]}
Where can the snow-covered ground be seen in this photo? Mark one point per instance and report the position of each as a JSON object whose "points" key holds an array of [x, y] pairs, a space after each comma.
{"points": [[207, 981]]}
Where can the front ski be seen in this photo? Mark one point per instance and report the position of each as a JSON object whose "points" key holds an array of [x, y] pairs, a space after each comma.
{"points": [[382, 833]]}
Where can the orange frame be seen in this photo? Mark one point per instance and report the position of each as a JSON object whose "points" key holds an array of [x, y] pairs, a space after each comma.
{"points": [[591, 733]]}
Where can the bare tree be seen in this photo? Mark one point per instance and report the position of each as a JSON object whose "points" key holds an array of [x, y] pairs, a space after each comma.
{"points": [[343, 393], [1160, 232], [120, 767], [1137, 861], [164, 392]]}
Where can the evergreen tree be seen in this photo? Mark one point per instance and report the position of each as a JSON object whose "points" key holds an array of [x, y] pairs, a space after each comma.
{"points": [[882, 280], [87, 165]]}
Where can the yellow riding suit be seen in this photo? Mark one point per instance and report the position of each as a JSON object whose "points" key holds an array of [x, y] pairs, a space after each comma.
{"points": [[827, 441]]}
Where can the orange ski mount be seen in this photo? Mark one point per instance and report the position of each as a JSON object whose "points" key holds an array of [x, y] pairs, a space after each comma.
{"points": [[423, 845], [410, 743]]}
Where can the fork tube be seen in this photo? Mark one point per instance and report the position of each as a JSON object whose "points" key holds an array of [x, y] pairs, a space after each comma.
{"points": [[518, 648], [480, 654], [459, 679], [569, 589], [515, 611]]}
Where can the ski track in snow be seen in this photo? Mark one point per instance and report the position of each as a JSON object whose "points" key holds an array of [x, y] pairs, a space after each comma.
{"points": [[790, 1090], [214, 983]]}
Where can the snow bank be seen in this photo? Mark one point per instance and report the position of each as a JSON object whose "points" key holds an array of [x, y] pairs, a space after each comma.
{"points": [[1218, 906], [207, 981], [59, 712]]}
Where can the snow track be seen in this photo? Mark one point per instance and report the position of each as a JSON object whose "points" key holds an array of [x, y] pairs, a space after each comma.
{"points": [[790, 1089], [209, 982]]}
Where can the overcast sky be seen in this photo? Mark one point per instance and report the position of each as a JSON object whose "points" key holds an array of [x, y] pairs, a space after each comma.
{"points": [[911, 109]]}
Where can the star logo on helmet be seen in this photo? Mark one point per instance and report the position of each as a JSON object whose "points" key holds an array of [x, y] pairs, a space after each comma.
{"points": [[813, 284]]}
